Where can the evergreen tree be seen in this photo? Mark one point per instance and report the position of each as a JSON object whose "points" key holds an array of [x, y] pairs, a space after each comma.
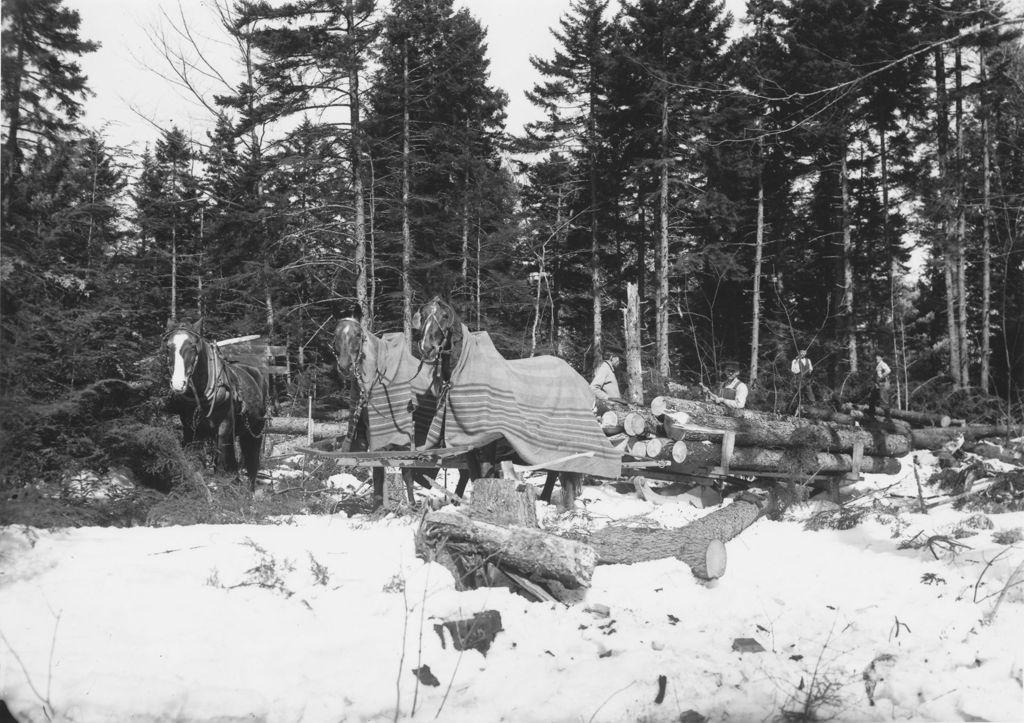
{"points": [[435, 127], [43, 85]]}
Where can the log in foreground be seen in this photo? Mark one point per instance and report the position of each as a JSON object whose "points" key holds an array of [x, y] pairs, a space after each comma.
{"points": [[701, 544], [528, 552], [786, 461], [775, 431]]}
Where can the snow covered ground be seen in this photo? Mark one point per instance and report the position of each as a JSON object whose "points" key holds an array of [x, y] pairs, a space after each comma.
{"points": [[325, 619]]}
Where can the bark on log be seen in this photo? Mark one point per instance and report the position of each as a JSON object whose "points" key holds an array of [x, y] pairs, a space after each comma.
{"points": [[503, 502], [528, 552], [824, 414], [759, 459], [771, 431], [691, 544], [922, 419], [299, 425], [935, 437]]}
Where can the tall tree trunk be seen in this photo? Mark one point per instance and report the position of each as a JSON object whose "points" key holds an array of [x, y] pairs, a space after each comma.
{"points": [[631, 333], [986, 211], [595, 256], [406, 235], [847, 304], [888, 242], [372, 237], [174, 273], [755, 321], [11, 151], [362, 290], [946, 245], [663, 260], [961, 228]]}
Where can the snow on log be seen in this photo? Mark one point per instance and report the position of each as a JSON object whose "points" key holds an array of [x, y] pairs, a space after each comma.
{"points": [[777, 431], [787, 461], [528, 552], [701, 544]]}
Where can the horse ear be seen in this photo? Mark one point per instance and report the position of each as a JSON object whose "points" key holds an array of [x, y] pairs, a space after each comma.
{"points": [[171, 324], [417, 321], [198, 326]]}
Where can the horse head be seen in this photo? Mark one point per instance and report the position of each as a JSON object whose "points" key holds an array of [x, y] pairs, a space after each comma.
{"points": [[440, 329], [184, 345], [348, 342]]}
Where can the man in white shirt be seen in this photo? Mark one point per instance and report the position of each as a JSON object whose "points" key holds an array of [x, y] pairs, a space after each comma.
{"points": [[880, 392], [604, 384], [802, 368], [733, 392]]}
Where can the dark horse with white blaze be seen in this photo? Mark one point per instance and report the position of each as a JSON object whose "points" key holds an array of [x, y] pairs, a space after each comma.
{"points": [[217, 399]]}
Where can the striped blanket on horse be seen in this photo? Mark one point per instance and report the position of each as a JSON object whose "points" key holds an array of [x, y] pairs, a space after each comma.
{"points": [[400, 403], [542, 406]]}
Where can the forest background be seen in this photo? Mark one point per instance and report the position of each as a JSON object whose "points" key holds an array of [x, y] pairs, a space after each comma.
{"points": [[845, 176]]}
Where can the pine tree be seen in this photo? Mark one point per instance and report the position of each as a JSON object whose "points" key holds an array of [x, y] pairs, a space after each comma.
{"points": [[43, 86]]}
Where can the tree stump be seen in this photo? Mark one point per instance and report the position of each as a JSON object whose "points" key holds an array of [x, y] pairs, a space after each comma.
{"points": [[503, 502]]}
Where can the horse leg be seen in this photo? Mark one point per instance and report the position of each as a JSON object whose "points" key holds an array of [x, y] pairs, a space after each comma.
{"points": [[250, 439], [378, 486], [226, 446], [407, 474], [549, 486]]}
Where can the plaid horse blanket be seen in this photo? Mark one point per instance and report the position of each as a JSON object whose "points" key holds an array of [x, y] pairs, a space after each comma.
{"points": [[401, 404], [542, 406]]}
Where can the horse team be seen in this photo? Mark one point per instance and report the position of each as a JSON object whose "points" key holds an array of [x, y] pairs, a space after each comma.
{"points": [[225, 400]]}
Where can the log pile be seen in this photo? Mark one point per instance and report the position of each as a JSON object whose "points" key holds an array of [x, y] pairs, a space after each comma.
{"points": [[687, 435]]}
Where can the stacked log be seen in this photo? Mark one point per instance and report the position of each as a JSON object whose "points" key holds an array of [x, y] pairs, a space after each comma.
{"points": [[678, 431], [762, 429]]}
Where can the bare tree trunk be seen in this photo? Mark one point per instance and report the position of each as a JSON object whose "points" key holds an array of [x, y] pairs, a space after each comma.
{"points": [[961, 229], [894, 269], [663, 260], [372, 301], [634, 372], [406, 235], [986, 211], [755, 322], [595, 256], [174, 272], [847, 304], [942, 121], [362, 291]]}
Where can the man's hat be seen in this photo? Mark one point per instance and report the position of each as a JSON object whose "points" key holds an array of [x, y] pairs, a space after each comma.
{"points": [[731, 364]]}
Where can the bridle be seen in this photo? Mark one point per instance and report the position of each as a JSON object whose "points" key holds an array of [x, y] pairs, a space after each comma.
{"points": [[437, 314], [214, 366]]}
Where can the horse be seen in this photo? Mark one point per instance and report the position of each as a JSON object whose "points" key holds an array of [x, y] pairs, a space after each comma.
{"points": [[217, 399], [381, 392], [440, 343]]}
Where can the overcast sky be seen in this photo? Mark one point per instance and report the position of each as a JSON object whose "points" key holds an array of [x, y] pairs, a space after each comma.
{"points": [[132, 100]]}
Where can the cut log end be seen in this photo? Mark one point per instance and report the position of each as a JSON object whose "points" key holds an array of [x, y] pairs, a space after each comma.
{"points": [[679, 452], [714, 560]]}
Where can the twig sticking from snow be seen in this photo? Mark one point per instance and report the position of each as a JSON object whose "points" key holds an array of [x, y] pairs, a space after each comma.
{"points": [[989, 564], [606, 700], [48, 711], [1012, 581]]}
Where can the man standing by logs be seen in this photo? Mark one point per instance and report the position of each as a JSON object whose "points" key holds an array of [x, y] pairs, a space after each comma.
{"points": [[732, 393], [801, 368], [880, 391], [604, 384]]}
